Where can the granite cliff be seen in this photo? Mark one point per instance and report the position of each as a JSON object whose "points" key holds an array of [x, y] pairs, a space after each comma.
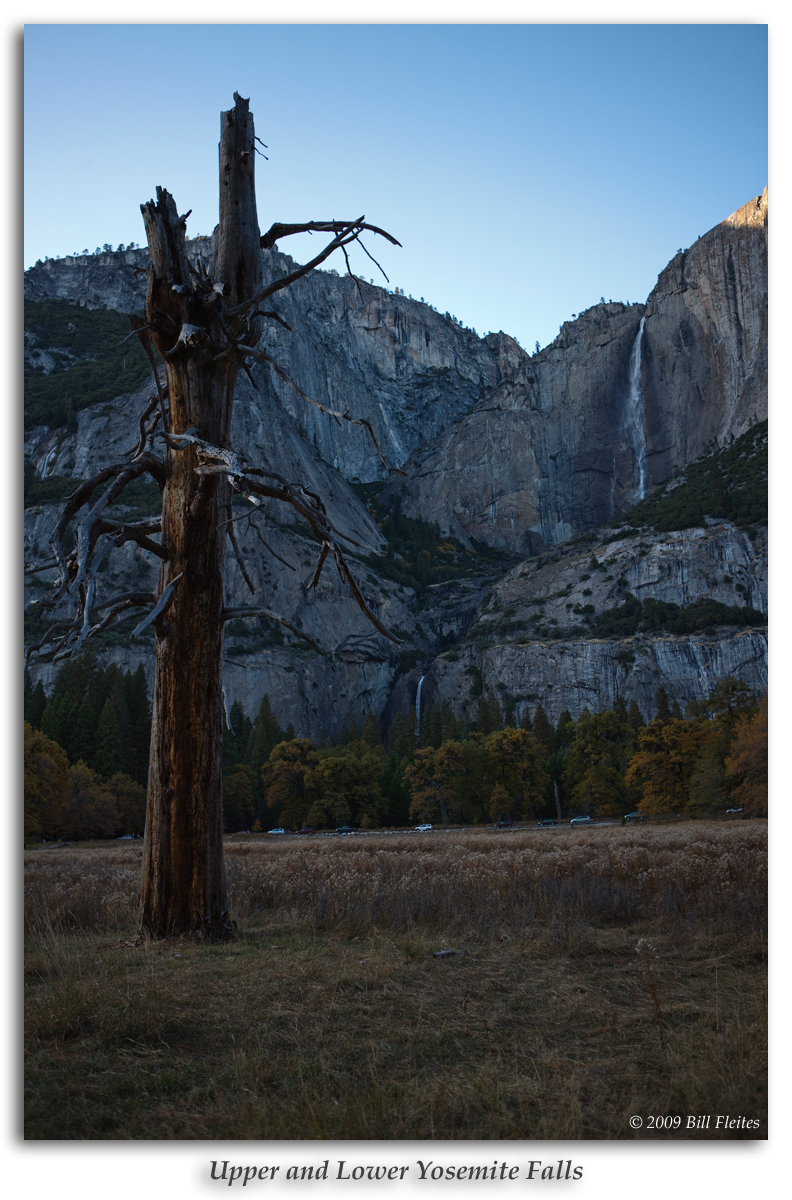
{"points": [[623, 397], [522, 452]]}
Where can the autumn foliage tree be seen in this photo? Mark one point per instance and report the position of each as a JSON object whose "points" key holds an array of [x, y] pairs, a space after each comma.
{"points": [[746, 765], [433, 779], [46, 784], [664, 764]]}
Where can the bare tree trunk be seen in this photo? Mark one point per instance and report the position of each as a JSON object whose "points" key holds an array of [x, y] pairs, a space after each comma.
{"points": [[183, 885], [557, 799]]}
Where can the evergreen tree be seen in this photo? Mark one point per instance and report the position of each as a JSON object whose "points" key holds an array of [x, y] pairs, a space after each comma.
{"points": [[449, 730], [635, 717], [489, 718], [258, 749], [50, 724], [620, 710], [266, 718], [395, 793], [85, 734], [396, 735], [435, 729], [139, 707], [110, 758], [35, 703], [410, 738], [543, 730], [76, 678], [509, 718], [565, 731], [67, 721], [370, 733], [238, 799], [350, 733], [526, 723], [662, 705]]}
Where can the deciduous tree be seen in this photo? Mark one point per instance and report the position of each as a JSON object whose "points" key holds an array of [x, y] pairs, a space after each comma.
{"points": [[746, 765]]}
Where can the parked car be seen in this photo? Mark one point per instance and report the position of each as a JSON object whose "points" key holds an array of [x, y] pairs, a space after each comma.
{"points": [[546, 821], [277, 830], [733, 810], [580, 821], [347, 829], [306, 830], [422, 828], [505, 825], [634, 816]]}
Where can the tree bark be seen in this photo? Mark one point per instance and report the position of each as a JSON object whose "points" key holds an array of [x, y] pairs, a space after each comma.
{"points": [[183, 887]]}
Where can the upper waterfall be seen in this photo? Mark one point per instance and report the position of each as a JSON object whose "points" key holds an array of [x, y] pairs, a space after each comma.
{"points": [[636, 416]]}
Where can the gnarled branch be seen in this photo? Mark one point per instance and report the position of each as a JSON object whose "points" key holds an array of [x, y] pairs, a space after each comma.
{"points": [[277, 230], [216, 460], [230, 614]]}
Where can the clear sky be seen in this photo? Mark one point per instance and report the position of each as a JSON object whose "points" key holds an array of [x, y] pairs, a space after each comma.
{"points": [[528, 170]]}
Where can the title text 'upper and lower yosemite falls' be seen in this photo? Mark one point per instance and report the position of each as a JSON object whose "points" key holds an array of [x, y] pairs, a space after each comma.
{"points": [[573, 527]]}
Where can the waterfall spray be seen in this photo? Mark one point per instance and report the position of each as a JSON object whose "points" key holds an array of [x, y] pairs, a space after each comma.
{"points": [[636, 414], [418, 709]]}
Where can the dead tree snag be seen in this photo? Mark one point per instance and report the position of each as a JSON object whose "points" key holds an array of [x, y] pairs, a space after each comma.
{"points": [[205, 326]]}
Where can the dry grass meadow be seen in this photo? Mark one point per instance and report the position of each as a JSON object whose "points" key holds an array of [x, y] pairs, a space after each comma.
{"points": [[597, 973]]}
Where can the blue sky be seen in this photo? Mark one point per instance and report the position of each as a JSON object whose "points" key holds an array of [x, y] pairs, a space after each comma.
{"points": [[528, 170]]}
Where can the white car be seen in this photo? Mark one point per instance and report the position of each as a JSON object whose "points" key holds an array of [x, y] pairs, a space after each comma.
{"points": [[580, 821], [422, 828], [277, 831]]}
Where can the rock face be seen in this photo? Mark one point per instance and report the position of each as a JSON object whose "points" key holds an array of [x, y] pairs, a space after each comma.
{"points": [[392, 360], [585, 674], [523, 643], [704, 371], [522, 452], [579, 431]]}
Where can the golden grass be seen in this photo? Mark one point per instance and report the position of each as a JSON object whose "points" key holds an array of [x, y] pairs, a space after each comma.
{"points": [[596, 974]]}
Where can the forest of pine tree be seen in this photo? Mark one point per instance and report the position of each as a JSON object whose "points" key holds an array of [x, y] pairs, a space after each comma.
{"points": [[86, 758]]}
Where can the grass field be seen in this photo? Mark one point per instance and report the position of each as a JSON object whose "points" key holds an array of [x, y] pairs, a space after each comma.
{"points": [[596, 974]]}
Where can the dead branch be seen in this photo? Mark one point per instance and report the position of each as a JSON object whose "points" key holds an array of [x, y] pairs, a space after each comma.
{"points": [[232, 613], [276, 231], [136, 533], [373, 259], [339, 416], [72, 570], [142, 330], [159, 607], [318, 568], [237, 554], [346, 234], [216, 460], [69, 625], [146, 431], [267, 546], [352, 275], [275, 317]]}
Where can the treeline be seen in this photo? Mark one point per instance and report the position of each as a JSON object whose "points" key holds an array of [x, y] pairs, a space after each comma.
{"points": [[86, 754], [451, 771]]}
